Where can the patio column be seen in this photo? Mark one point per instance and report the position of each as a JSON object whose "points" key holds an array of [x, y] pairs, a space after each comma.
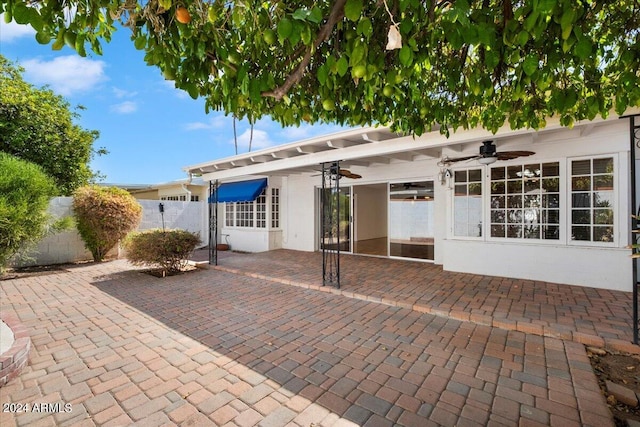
{"points": [[330, 224], [634, 141], [213, 222]]}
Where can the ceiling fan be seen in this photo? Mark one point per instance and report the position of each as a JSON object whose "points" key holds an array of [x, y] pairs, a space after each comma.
{"points": [[488, 155], [336, 170]]}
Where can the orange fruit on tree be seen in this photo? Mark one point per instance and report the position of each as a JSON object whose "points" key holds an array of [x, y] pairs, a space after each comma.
{"points": [[182, 15]]}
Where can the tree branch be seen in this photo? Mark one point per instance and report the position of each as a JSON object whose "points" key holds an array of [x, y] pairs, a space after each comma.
{"points": [[337, 12]]}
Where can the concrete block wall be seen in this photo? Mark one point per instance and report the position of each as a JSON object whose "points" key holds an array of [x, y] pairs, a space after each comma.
{"points": [[68, 247]]}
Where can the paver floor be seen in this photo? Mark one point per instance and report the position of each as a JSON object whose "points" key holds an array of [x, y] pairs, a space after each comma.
{"points": [[586, 315], [216, 348]]}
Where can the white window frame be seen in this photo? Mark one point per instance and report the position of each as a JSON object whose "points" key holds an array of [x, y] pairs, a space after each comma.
{"points": [[562, 202], [483, 214], [231, 212], [616, 203], [565, 205], [274, 208]]}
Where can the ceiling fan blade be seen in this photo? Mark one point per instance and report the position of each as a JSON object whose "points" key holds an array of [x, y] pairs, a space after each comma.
{"points": [[509, 155], [459, 159], [351, 175]]}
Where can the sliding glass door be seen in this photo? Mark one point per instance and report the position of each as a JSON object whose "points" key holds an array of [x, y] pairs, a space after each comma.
{"points": [[411, 224]]}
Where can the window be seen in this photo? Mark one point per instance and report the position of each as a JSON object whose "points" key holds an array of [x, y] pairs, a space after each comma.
{"points": [[592, 200], [195, 198], [253, 214], [229, 214], [261, 210], [525, 201], [275, 208], [467, 203], [244, 214]]}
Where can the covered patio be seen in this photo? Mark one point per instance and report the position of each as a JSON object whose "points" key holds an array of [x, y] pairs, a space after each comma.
{"points": [[586, 315]]}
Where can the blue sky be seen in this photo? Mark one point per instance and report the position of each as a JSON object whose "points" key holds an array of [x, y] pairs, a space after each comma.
{"points": [[150, 129]]}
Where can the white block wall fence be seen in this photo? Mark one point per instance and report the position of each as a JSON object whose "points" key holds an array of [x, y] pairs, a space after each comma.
{"points": [[68, 246]]}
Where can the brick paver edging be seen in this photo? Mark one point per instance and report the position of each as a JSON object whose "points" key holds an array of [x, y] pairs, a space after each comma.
{"points": [[501, 323], [16, 358]]}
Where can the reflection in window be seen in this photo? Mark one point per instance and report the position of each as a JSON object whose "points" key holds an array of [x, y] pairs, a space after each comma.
{"points": [[525, 201], [467, 203], [411, 220], [592, 200]]}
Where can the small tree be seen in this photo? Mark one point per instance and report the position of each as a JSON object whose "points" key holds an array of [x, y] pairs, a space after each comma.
{"points": [[168, 250], [104, 215], [40, 126], [25, 191]]}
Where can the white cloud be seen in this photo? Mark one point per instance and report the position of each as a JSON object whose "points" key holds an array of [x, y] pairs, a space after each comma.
{"points": [[260, 140], [65, 74], [126, 107], [122, 93], [216, 122], [12, 31]]}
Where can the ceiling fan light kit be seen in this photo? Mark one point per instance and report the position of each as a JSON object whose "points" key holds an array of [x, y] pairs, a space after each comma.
{"points": [[487, 160]]}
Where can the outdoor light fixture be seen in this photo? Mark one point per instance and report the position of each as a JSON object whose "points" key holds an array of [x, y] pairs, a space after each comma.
{"points": [[161, 208]]}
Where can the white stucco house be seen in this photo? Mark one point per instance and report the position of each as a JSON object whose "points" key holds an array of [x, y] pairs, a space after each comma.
{"points": [[558, 212]]}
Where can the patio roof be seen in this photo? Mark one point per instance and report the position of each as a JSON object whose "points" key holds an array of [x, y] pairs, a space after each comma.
{"points": [[365, 147]]}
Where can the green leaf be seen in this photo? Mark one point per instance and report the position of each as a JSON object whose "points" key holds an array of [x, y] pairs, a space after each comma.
{"points": [[358, 53], [406, 56], [364, 27], [530, 65], [353, 9], [301, 14], [583, 49], [306, 35], [342, 66], [166, 4], [323, 73], [21, 13], [530, 21], [544, 6], [523, 38], [285, 28], [316, 15], [566, 22], [192, 89]]}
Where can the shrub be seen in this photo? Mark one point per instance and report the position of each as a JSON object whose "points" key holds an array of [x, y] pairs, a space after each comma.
{"points": [[25, 191], [168, 250], [104, 215]]}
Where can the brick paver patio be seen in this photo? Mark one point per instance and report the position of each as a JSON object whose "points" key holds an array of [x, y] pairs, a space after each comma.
{"points": [[586, 315], [216, 348]]}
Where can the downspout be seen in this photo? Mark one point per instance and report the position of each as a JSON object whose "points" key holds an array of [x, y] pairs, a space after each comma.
{"points": [[184, 187]]}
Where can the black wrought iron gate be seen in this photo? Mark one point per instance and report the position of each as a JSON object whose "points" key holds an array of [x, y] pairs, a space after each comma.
{"points": [[330, 224]]}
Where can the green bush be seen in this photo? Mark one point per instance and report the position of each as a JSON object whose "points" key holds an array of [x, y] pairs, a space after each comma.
{"points": [[104, 216], [25, 191], [168, 250]]}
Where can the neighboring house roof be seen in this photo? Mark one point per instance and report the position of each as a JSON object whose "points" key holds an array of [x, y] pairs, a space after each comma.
{"points": [[128, 187], [136, 188], [369, 146]]}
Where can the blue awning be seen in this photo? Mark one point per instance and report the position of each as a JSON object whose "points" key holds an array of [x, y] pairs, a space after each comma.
{"points": [[242, 191]]}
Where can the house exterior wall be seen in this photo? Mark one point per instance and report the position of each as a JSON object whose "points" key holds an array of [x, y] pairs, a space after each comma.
{"points": [[606, 266]]}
